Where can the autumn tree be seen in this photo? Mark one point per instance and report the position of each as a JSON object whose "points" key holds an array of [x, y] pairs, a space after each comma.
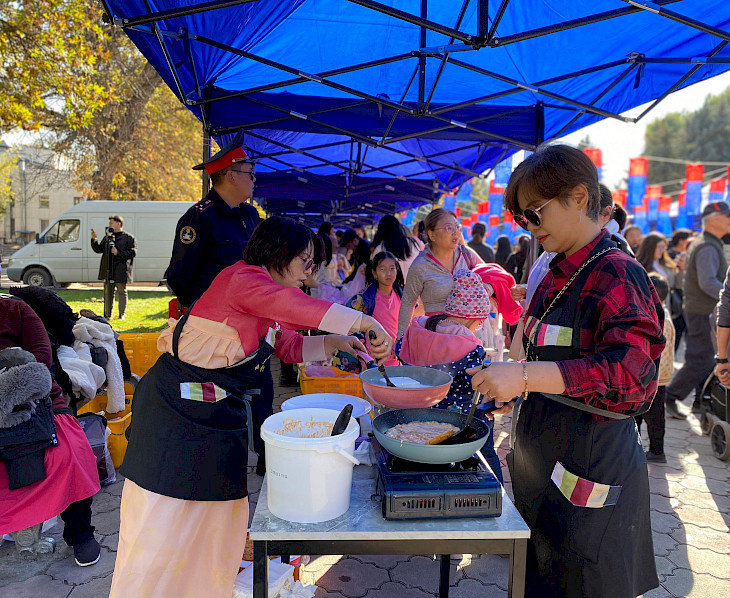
{"points": [[96, 100]]}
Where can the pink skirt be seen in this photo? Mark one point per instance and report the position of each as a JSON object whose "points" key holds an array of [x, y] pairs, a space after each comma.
{"points": [[70, 476], [173, 548]]}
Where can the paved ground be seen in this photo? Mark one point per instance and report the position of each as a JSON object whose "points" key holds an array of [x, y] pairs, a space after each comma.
{"points": [[690, 521]]}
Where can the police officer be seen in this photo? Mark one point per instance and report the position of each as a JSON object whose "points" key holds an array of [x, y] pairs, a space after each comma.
{"points": [[213, 233]]}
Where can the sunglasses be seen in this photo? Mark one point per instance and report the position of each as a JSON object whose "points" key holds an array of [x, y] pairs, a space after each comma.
{"points": [[250, 173], [308, 264], [530, 216]]}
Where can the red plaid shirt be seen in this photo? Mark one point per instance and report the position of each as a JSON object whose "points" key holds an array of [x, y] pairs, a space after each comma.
{"points": [[621, 336]]}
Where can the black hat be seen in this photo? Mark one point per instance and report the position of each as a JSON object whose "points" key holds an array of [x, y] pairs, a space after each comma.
{"points": [[716, 207], [231, 154]]}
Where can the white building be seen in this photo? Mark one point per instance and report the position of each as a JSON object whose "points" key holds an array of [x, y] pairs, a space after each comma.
{"points": [[41, 189]]}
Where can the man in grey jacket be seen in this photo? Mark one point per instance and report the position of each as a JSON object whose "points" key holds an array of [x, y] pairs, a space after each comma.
{"points": [[704, 277]]}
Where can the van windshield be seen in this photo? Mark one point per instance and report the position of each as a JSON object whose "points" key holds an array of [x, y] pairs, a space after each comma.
{"points": [[63, 231]]}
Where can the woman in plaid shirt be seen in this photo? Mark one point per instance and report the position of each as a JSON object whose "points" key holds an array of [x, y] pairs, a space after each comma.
{"points": [[593, 338]]}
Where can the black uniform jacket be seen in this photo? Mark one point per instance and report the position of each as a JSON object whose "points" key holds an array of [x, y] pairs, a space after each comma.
{"points": [[210, 237]]}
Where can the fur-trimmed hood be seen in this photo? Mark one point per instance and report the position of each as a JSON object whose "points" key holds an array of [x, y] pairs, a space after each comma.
{"points": [[21, 385]]}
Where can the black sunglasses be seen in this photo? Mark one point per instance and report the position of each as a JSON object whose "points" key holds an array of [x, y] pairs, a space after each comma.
{"points": [[530, 216]]}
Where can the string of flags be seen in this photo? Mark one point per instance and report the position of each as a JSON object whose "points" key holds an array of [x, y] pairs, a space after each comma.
{"points": [[647, 205]]}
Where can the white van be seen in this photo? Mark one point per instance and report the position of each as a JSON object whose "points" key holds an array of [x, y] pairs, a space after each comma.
{"points": [[62, 254]]}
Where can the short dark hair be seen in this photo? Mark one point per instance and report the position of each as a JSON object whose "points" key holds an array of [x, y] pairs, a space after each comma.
{"points": [[379, 257], [479, 228], [606, 197], [117, 218], [678, 235], [552, 171], [620, 216], [275, 242], [325, 228], [348, 236], [660, 284]]}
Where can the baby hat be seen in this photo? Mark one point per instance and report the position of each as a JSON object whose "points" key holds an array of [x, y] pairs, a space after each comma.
{"points": [[468, 298]]}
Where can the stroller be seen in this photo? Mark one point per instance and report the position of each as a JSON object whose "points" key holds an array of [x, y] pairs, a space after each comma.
{"points": [[714, 416]]}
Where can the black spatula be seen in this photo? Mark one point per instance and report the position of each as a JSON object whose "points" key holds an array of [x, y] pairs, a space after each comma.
{"points": [[381, 368], [342, 420], [467, 434]]}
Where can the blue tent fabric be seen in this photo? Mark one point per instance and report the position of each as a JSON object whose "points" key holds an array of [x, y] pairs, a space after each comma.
{"points": [[480, 80]]}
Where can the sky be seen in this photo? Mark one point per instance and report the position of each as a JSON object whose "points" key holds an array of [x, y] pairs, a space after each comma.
{"points": [[621, 141]]}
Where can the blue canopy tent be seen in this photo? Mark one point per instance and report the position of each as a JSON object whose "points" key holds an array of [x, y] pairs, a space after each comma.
{"points": [[423, 78]]}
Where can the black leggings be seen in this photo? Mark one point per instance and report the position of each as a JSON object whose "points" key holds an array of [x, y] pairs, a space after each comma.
{"points": [[77, 522]]}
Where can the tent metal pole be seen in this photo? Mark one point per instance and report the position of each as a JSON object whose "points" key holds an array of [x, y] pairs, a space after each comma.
{"points": [[468, 127], [206, 155], [403, 97], [445, 57], [170, 65], [482, 22], [331, 73], [178, 12], [365, 140], [414, 20], [689, 73], [512, 91], [497, 19], [655, 7], [309, 149], [422, 60], [540, 123], [262, 124], [598, 97], [538, 90], [541, 31], [693, 60], [298, 151], [310, 77]]}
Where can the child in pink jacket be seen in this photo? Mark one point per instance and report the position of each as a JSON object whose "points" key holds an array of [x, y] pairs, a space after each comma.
{"points": [[447, 342]]}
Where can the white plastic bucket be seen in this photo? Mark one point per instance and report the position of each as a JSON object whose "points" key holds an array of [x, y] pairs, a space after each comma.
{"points": [[308, 479]]}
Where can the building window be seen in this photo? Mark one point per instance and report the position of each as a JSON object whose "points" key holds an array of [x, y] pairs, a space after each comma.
{"points": [[77, 201], [44, 223], [45, 202]]}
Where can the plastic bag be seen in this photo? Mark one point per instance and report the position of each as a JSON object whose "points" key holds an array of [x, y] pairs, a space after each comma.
{"points": [[298, 591], [281, 576], [94, 427]]}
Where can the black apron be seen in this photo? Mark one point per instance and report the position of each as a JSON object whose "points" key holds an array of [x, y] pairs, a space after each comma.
{"points": [[588, 551], [192, 449]]}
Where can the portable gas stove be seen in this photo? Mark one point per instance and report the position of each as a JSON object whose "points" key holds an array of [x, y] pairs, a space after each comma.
{"points": [[409, 490]]}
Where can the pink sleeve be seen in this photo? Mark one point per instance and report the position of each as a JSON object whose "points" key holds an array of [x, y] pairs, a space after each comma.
{"points": [[257, 294], [295, 348]]}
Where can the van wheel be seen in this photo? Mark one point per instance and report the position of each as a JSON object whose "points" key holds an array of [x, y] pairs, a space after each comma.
{"points": [[37, 277]]}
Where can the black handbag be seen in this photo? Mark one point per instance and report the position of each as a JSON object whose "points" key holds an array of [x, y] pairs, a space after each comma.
{"points": [[675, 302]]}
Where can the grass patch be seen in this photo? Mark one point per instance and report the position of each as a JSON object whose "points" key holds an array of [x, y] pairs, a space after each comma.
{"points": [[146, 310]]}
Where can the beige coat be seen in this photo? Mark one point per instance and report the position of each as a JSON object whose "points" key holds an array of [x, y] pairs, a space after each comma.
{"points": [[666, 362]]}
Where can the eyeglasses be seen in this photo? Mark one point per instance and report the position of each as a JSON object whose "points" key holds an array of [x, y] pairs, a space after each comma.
{"points": [[308, 264], [530, 215], [449, 228], [250, 173]]}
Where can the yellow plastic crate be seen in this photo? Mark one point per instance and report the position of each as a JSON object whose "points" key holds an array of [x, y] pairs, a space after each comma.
{"points": [[345, 385], [141, 350]]}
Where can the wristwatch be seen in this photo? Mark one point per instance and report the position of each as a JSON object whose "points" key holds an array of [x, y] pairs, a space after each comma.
{"points": [[721, 359]]}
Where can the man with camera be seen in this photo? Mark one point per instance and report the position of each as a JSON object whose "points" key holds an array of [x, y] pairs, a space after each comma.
{"points": [[118, 250]]}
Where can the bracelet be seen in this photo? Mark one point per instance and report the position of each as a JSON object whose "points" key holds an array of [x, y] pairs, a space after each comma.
{"points": [[721, 359], [524, 375]]}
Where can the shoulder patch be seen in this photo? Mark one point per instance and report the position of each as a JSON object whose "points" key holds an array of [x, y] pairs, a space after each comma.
{"points": [[203, 205], [187, 234]]}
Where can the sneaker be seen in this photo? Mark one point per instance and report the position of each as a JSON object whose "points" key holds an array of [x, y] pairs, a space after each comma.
{"points": [[286, 381], [656, 457], [670, 407], [87, 553]]}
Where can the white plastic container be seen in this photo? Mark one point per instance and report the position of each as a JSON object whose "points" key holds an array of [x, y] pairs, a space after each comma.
{"points": [[329, 400], [308, 479]]}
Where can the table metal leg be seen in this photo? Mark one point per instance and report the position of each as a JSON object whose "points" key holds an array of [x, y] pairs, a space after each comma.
{"points": [[517, 569], [444, 576], [260, 570]]}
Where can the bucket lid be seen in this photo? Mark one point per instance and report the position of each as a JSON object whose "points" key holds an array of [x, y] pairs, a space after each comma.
{"points": [[328, 400]]}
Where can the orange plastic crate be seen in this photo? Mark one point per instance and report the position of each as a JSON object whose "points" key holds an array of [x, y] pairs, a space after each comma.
{"points": [[345, 385], [141, 350]]}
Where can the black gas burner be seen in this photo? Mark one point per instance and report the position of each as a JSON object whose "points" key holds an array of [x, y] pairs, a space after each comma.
{"points": [[410, 490]]}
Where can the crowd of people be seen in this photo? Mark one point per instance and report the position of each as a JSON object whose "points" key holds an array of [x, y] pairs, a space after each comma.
{"points": [[591, 317]]}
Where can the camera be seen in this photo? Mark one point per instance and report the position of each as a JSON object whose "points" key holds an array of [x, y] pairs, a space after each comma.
{"points": [[110, 237]]}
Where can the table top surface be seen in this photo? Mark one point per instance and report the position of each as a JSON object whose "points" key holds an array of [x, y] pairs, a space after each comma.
{"points": [[364, 521]]}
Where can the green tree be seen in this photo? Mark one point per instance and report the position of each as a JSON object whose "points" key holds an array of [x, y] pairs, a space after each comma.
{"points": [[8, 162]]}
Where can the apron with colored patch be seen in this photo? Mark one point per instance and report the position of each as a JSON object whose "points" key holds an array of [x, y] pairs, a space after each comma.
{"points": [[188, 437], [580, 484]]}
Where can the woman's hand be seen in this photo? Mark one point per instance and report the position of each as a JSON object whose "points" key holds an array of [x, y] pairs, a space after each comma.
{"points": [[519, 292], [681, 261], [501, 381], [338, 342], [380, 346]]}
